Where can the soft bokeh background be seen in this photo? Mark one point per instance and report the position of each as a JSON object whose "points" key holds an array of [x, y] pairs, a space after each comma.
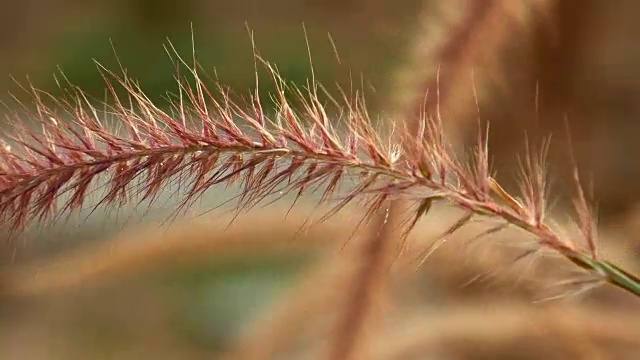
{"points": [[191, 310], [585, 59]]}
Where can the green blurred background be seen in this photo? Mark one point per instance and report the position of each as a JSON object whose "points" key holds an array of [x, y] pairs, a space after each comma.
{"points": [[40, 36]]}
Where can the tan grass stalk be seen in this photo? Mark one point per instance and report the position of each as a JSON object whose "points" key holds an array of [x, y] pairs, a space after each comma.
{"points": [[155, 247], [313, 302], [368, 285], [457, 43], [151, 248], [507, 330], [484, 22], [375, 251]]}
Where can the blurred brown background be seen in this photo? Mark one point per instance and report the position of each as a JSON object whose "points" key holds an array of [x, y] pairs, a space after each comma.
{"points": [[582, 55]]}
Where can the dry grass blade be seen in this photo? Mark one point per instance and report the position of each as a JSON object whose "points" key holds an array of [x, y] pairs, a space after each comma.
{"points": [[513, 330], [367, 285], [152, 248]]}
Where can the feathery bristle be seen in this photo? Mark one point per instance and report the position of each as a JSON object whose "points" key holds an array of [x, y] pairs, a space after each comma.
{"points": [[208, 139]]}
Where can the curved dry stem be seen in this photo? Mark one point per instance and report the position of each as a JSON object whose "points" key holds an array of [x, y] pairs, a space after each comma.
{"points": [[455, 42], [367, 286], [483, 23], [152, 247], [316, 297], [605, 330]]}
